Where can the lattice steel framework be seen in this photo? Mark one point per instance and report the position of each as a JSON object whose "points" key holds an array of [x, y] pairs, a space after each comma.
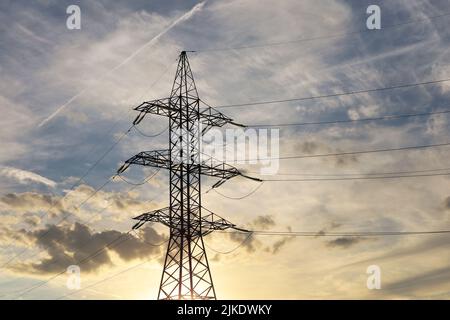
{"points": [[186, 273]]}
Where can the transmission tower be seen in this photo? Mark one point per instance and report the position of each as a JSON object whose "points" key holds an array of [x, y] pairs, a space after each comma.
{"points": [[186, 273]]}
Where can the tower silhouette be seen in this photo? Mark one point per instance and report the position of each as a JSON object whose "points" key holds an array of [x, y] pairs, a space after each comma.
{"points": [[186, 273]]}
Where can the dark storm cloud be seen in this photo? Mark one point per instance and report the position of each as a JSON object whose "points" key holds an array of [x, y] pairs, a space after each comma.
{"points": [[67, 246]]}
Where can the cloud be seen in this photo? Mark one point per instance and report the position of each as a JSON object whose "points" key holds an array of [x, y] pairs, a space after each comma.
{"points": [[344, 242], [318, 147], [263, 222], [276, 247], [32, 35], [437, 280], [246, 241], [250, 241], [67, 246], [187, 15], [31, 202], [119, 204], [36, 81], [24, 176]]}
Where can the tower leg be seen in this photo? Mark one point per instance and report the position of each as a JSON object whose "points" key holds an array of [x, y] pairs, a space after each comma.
{"points": [[186, 272]]}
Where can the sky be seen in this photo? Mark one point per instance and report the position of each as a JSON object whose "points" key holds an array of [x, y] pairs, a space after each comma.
{"points": [[66, 98]]}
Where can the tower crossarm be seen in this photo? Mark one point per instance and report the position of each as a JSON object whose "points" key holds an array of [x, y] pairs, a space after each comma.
{"points": [[213, 118], [161, 159], [160, 215], [162, 107], [209, 222], [208, 117], [155, 158]]}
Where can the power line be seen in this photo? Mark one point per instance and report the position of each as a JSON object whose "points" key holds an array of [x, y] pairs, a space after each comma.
{"points": [[341, 234], [354, 173], [330, 179], [115, 143], [249, 235], [89, 220], [61, 220], [70, 213], [114, 275], [359, 178], [324, 37], [103, 280], [347, 153], [148, 242], [71, 189], [242, 197], [89, 257], [333, 95], [387, 117], [150, 135], [139, 183]]}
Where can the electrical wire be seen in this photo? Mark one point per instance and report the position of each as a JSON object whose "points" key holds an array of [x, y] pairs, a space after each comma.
{"points": [[150, 135], [69, 214], [359, 178], [148, 242], [99, 159], [324, 37], [249, 235], [118, 273], [387, 117], [346, 153], [333, 95], [81, 179], [139, 183], [88, 241], [59, 221], [80, 262], [355, 174], [103, 280], [342, 234], [242, 197]]}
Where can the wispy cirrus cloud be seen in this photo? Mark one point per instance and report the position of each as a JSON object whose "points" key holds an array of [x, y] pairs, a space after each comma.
{"points": [[25, 176], [187, 15], [36, 83]]}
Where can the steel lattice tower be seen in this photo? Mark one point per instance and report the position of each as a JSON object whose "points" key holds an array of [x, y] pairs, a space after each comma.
{"points": [[186, 273]]}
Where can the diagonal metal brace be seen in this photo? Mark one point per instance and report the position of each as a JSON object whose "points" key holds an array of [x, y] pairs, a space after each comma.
{"points": [[165, 107], [161, 159], [209, 222]]}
